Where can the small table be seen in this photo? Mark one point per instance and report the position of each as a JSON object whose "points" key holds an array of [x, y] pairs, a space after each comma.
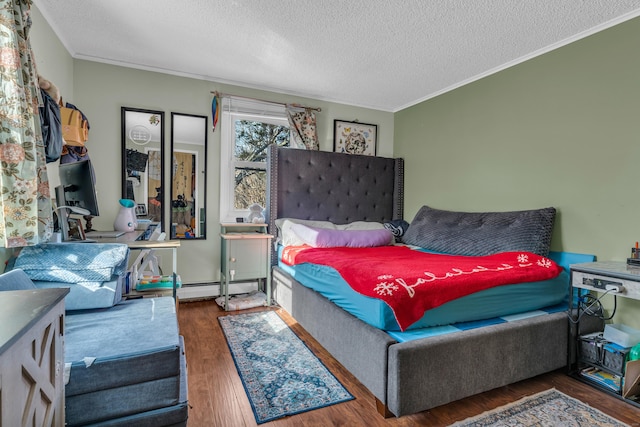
{"points": [[245, 255], [614, 277]]}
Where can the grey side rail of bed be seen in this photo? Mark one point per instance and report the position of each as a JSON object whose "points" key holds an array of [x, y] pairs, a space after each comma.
{"points": [[405, 377]]}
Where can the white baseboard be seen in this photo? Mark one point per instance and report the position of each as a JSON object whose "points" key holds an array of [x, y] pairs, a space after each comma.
{"points": [[187, 292]]}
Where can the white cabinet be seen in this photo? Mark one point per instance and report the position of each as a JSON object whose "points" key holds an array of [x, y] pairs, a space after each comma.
{"points": [[32, 357], [245, 255]]}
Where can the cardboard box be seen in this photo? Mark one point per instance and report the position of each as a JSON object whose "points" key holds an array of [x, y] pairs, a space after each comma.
{"points": [[631, 385]]}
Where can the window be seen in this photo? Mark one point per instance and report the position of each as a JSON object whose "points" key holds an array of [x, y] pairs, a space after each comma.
{"points": [[248, 128]]}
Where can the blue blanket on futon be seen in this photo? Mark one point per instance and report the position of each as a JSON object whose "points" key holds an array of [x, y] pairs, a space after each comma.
{"points": [[73, 262]]}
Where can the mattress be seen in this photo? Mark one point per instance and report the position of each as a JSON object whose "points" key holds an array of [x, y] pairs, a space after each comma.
{"points": [[491, 303], [433, 331], [138, 371]]}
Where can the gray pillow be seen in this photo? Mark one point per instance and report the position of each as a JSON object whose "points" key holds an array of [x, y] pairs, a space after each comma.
{"points": [[482, 233]]}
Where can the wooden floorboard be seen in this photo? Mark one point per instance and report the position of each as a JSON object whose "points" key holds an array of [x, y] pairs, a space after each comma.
{"points": [[217, 396]]}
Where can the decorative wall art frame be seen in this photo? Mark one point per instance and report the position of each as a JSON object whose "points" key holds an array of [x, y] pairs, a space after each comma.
{"points": [[76, 231], [354, 138]]}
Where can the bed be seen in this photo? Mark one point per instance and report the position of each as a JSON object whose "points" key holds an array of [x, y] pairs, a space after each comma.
{"points": [[405, 374]]}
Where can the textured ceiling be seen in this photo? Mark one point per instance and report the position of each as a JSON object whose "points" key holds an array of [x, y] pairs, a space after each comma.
{"points": [[381, 54]]}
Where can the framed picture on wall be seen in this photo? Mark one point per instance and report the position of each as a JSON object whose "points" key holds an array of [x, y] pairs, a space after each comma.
{"points": [[141, 209], [354, 138], [76, 232]]}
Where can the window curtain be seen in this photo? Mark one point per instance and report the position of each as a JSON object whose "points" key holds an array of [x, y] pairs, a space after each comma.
{"points": [[25, 214], [303, 129]]}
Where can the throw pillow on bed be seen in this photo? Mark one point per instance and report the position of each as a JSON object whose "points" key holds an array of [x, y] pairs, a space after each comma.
{"points": [[328, 238], [286, 236], [482, 233], [397, 227]]}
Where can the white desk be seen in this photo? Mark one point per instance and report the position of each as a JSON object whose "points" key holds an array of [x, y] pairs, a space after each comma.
{"points": [[129, 239], [596, 277]]}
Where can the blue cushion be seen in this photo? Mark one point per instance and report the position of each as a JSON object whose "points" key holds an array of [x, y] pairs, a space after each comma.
{"points": [[88, 295], [16, 280], [565, 259], [137, 364]]}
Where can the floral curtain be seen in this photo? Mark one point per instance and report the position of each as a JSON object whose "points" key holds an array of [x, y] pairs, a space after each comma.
{"points": [[25, 217], [303, 129]]}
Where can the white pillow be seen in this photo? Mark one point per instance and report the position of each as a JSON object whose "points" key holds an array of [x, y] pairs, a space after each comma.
{"points": [[286, 236]]}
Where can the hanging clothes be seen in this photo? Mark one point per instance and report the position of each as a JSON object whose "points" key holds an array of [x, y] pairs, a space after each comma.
{"points": [[303, 129], [25, 211]]}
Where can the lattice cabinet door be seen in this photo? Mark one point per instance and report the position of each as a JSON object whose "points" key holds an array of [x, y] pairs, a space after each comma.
{"points": [[31, 375]]}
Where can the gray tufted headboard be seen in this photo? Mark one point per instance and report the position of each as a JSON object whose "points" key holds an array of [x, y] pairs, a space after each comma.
{"points": [[336, 187]]}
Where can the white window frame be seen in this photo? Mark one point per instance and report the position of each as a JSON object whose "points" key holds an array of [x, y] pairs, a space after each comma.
{"points": [[233, 110]]}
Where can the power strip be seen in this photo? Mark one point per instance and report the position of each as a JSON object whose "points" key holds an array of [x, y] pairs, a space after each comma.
{"points": [[600, 283], [628, 286]]}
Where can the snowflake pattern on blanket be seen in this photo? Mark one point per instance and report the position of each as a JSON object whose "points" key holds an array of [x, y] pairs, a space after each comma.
{"points": [[412, 282]]}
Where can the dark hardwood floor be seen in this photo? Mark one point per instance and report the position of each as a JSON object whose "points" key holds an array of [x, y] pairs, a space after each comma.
{"points": [[217, 397]]}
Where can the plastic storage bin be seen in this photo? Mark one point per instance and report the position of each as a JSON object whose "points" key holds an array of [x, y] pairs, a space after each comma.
{"points": [[596, 351], [622, 335], [614, 357]]}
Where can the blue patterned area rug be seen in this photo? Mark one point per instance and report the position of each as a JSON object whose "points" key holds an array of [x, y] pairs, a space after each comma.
{"points": [[280, 374], [549, 408]]}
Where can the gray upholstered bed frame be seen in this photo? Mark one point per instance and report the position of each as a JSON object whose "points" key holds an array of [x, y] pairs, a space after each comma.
{"points": [[406, 377]]}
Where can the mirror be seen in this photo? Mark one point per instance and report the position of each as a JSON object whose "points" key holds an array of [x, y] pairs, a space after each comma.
{"points": [[142, 161], [188, 176]]}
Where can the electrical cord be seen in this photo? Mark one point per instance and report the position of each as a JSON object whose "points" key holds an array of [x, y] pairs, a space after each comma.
{"points": [[593, 300]]}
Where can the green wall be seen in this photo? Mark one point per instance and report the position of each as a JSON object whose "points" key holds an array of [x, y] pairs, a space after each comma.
{"points": [[560, 130], [100, 90]]}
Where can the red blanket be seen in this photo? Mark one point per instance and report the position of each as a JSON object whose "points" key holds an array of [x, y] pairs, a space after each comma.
{"points": [[411, 281]]}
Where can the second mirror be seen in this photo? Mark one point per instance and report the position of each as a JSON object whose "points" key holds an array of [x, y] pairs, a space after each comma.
{"points": [[188, 176]]}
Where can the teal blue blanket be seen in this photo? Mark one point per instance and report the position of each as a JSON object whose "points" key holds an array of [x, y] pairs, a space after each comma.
{"points": [[73, 262]]}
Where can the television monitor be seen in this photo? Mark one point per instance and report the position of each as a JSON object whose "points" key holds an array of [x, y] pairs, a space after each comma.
{"points": [[77, 179]]}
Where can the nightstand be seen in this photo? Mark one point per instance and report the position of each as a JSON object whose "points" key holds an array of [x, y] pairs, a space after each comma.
{"points": [[245, 255], [597, 359]]}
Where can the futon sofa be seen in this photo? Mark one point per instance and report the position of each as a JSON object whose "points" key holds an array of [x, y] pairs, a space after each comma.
{"points": [[124, 359]]}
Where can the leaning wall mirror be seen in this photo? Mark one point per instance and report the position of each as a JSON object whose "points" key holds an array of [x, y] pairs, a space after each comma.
{"points": [[188, 176], [142, 161]]}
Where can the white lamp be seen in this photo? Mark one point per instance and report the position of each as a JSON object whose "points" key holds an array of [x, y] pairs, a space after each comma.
{"points": [[63, 218]]}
